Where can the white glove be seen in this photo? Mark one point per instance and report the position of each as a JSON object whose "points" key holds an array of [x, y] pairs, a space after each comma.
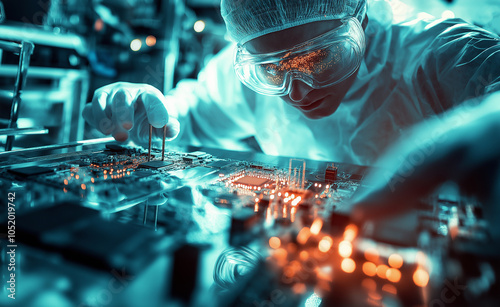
{"points": [[125, 110]]}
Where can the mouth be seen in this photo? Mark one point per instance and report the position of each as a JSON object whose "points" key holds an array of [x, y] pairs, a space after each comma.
{"points": [[315, 104]]}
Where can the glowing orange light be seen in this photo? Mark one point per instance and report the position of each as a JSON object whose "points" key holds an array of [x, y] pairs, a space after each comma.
{"points": [[369, 284], [393, 275], [382, 270], [77, 177], [375, 296], [396, 261], [390, 289], [316, 226], [325, 244], [98, 25], [83, 186], [256, 207], [304, 255], [345, 249], [303, 235], [256, 200], [299, 288], [65, 190], [105, 177], [274, 242], [420, 277], [105, 172], [92, 180], [72, 174], [350, 232], [348, 265], [371, 254], [65, 181], [280, 254], [369, 268]]}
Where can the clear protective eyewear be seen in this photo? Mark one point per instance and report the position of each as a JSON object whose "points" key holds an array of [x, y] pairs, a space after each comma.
{"points": [[325, 60]]}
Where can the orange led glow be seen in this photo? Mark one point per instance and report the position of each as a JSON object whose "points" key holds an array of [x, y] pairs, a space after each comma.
{"points": [[395, 261], [369, 268], [303, 235], [77, 177], [280, 254], [325, 244], [99, 25], [374, 295], [105, 171], [274, 242], [316, 226], [371, 254], [304, 255], [345, 249], [382, 271], [348, 265], [92, 180], [393, 275], [65, 181], [369, 284], [350, 232], [83, 186], [390, 289], [105, 177], [421, 277], [256, 207], [72, 174], [299, 288]]}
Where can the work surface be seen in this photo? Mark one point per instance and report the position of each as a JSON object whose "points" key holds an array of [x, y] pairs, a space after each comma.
{"points": [[113, 226]]}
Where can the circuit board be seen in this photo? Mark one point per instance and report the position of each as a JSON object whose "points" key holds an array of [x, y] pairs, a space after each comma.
{"points": [[242, 230]]}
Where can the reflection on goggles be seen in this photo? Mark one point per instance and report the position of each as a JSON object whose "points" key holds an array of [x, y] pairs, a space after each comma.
{"points": [[322, 61], [314, 63]]}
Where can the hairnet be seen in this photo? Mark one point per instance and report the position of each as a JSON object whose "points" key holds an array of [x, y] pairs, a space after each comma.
{"points": [[248, 19]]}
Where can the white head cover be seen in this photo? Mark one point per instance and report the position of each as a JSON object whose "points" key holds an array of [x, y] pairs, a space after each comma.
{"points": [[248, 19]]}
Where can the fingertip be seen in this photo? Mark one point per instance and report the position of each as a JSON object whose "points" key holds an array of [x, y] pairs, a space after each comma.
{"points": [[120, 136], [155, 110], [128, 125]]}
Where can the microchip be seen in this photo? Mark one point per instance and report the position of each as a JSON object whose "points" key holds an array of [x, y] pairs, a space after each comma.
{"points": [[143, 173], [31, 171], [252, 181], [115, 148], [158, 165], [199, 154], [220, 164]]}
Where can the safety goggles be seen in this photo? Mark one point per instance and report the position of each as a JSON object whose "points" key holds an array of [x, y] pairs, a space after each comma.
{"points": [[322, 61]]}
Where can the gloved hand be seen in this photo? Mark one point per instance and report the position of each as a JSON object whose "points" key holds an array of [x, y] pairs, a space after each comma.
{"points": [[125, 110], [463, 147]]}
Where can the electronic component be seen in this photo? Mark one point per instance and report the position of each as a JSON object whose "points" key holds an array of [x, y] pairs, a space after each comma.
{"points": [[157, 165], [31, 171], [296, 218], [330, 174], [252, 182]]}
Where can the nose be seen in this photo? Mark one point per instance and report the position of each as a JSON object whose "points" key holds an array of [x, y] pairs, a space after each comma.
{"points": [[299, 90]]}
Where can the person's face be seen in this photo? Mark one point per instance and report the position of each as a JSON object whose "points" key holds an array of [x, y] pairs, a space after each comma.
{"points": [[313, 103]]}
